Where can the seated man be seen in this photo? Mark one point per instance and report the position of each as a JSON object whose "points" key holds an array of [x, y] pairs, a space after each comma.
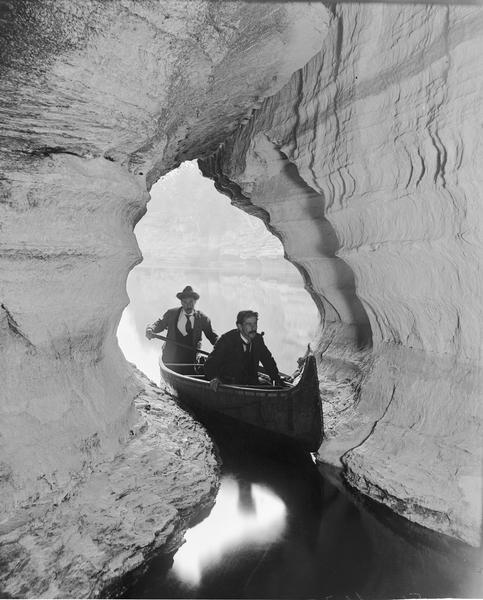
{"points": [[185, 326], [237, 353]]}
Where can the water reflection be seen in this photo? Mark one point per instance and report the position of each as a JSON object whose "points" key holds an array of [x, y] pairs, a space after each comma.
{"points": [[278, 529], [246, 501], [307, 538], [244, 515]]}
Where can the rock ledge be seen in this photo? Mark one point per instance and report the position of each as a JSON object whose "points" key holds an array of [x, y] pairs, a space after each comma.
{"points": [[113, 520]]}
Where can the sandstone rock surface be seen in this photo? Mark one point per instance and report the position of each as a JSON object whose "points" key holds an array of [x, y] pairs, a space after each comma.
{"points": [[363, 157], [367, 165], [83, 539], [98, 100]]}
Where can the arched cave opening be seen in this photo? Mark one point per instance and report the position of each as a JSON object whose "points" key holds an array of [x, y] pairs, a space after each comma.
{"points": [[191, 235]]}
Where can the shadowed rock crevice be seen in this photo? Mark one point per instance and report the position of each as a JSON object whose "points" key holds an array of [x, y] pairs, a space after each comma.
{"points": [[287, 205], [340, 272]]}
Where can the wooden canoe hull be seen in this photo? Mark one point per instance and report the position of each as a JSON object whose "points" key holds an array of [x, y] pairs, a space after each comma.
{"points": [[295, 412]]}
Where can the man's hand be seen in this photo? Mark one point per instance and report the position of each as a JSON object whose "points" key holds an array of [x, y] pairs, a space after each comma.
{"points": [[149, 333], [214, 383]]}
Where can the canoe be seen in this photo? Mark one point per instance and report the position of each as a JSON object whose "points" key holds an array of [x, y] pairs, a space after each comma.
{"points": [[294, 412]]}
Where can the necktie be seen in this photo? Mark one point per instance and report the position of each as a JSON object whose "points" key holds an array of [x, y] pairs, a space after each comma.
{"points": [[189, 327]]}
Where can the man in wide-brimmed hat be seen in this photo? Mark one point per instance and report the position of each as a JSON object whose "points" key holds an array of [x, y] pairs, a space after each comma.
{"points": [[185, 326]]}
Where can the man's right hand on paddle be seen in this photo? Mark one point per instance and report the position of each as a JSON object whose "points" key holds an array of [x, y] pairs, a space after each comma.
{"points": [[214, 383], [149, 333]]}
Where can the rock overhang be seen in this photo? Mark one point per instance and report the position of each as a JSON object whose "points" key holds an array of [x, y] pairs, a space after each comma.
{"points": [[103, 98], [100, 99]]}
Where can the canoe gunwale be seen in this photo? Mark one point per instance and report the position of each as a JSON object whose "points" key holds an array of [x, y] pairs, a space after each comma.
{"points": [[225, 387], [296, 410]]}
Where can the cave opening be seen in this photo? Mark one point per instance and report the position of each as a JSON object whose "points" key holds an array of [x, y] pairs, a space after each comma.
{"points": [[192, 235], [374, 102]]}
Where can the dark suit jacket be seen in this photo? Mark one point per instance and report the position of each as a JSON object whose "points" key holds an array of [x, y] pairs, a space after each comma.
{"points": [[226, 361], [169, 321]]}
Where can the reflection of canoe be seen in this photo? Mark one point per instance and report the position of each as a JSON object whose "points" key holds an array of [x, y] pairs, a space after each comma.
{"points": [[293, 412]]}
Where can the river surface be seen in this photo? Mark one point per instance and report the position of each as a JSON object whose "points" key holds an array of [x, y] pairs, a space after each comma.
{"points": [[287, 315], [282, 528]]}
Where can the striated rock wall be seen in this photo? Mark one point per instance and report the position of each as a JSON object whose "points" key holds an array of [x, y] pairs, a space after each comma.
{"points": [[367, 165], [98, 100], [364, 162], [65, 258], [79, 543]]}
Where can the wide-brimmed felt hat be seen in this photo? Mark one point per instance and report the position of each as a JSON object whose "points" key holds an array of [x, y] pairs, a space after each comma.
{"points": [[188, 292]]}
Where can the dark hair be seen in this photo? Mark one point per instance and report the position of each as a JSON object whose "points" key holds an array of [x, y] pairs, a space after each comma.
{"points": [[245, 314]]}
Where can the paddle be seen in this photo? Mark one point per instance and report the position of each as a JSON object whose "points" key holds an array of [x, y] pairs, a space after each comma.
{"points": [[161, 337]]}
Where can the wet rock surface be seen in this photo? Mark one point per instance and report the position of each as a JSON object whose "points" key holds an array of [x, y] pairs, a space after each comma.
{"points": [[111, 520]]}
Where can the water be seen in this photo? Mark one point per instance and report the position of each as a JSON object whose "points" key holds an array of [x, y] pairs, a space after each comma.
{"points": [[289, 530], [282, 528], [279, 528], [286, 312]]}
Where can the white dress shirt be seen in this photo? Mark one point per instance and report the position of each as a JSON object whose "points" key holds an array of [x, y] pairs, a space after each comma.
{"points": [[246, 343], [182, 321]]}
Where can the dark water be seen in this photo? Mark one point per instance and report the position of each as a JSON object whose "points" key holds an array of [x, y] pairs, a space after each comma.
{"points": [[284, 528], [288, 529], [281, 527]]}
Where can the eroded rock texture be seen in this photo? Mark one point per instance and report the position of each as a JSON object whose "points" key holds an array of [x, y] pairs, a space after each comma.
{"points": [[99, 99], [367, 164], [112, 519]]}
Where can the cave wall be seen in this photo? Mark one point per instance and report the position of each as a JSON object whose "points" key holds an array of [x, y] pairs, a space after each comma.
{"points": [[364, 162], [100, 99], [367, 165], [67, 247]]}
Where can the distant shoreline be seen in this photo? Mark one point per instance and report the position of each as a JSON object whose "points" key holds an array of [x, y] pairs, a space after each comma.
{"points": [[250, 267]]}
